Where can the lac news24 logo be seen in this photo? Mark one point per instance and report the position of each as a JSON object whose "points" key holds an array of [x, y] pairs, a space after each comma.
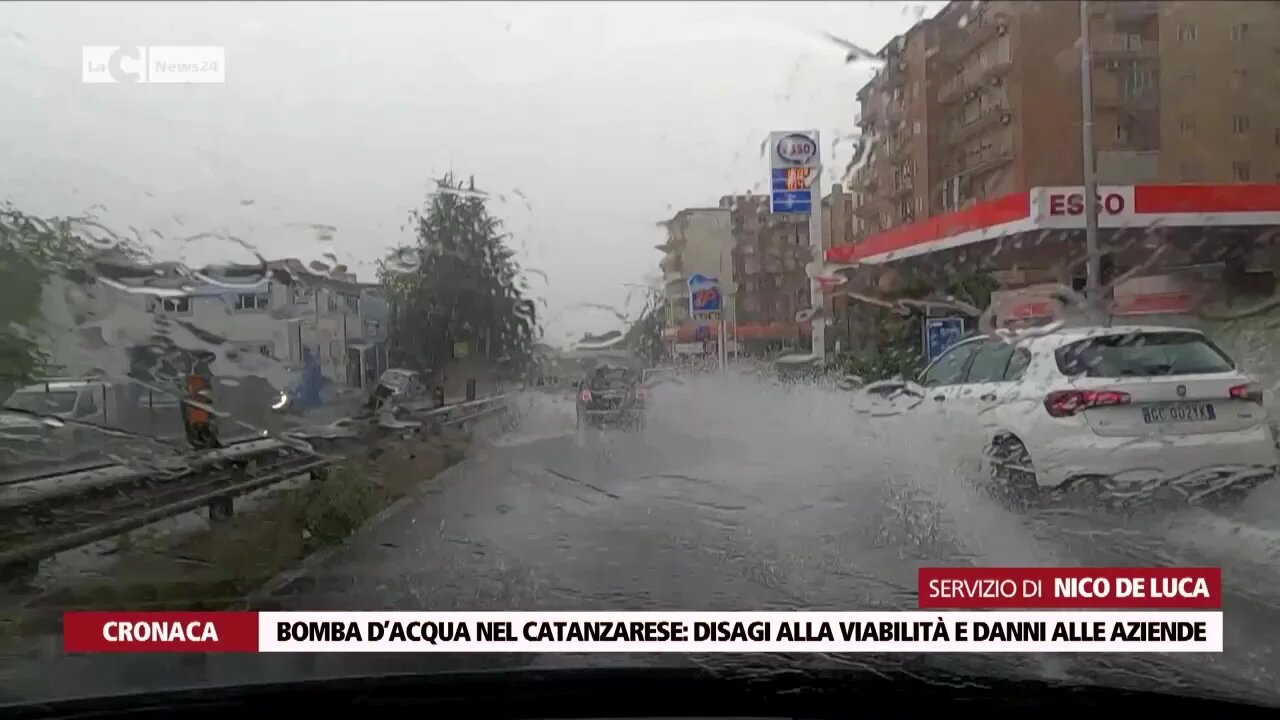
{"points": [[156, 64]]}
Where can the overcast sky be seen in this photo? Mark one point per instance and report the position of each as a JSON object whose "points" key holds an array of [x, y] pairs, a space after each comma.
{"points": [[606, 117]]}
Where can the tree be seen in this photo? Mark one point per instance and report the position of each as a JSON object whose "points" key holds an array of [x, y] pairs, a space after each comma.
{"points": [[459, 282], [644, 337]]}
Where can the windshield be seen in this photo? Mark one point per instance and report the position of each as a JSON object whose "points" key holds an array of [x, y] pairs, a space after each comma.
{"points": [[785, 217], [1143, 355], [54, 402]]}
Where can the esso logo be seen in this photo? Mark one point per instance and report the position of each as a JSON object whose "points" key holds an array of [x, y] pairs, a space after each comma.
{"points": [[797, 149], [1073, 203]]}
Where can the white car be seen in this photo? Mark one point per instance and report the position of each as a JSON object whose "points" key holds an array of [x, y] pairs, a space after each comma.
{"points": [[1127, 410]]}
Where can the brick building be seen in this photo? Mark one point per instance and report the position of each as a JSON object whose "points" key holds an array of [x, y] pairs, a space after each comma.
{"points": [[976, 120]]}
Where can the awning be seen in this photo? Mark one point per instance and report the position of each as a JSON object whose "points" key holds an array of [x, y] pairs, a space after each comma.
{"points": [[1062, 208]]}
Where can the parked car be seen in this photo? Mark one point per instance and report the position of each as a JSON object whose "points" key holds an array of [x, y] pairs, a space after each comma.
{"points": [[1140, 411]]}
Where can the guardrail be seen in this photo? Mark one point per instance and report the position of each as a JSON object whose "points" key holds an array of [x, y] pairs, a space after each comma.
{"points": [[47, 514]]}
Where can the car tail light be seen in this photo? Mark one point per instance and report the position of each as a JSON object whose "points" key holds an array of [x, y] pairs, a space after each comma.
{"points": [[1065, 403], [1248, 391], [586, 395]]}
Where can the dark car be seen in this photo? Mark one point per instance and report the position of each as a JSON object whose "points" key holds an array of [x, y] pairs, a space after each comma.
{"points": [[611, 397]]}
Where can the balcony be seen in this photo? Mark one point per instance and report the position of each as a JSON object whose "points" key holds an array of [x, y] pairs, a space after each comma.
{"points": [[868, 206], [969, 84], [895, 148], [962, 42], [990, 118], [893, 74], [863, 179], [1115, 46], [904, 186], [1128, 9], [984, 161]]}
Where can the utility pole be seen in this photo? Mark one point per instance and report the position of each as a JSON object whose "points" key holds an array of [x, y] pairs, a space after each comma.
{"points": [[1093, 279], [819, 335]]}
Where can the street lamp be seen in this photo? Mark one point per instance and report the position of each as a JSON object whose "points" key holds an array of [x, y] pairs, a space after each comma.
{"points": [[1093, 280]]}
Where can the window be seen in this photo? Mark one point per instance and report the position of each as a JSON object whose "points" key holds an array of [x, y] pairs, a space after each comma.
{"points": [[1187, 33], [990, 362], [301, 295], [332, 303], [1239, 32], [1017, 365], [87, 406], [267, 350], [1148, 354], [1241, 171], [949, 368], [1138, 81], [253, 301], [1240, 124], [176, 305], [1187, 125], [352, 302]]}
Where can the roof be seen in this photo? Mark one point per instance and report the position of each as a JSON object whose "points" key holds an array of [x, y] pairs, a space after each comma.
{"points": [[296, 268], [1059, 208]]}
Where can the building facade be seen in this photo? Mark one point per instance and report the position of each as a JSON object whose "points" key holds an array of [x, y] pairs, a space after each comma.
{"points": [[984, 99], [977, 160], [264, 328]]}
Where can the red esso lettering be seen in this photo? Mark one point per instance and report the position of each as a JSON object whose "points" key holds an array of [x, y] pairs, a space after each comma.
{"points": [[1073, 204]]}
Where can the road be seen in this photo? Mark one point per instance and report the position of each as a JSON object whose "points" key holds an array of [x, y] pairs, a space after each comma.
{"points": [[737, 497]]}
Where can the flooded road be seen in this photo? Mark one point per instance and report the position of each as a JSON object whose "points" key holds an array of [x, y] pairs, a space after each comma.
{"points": [[736, 496]]}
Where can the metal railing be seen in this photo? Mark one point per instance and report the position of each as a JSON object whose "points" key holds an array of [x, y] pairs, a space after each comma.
{"points": [[52, 512]]}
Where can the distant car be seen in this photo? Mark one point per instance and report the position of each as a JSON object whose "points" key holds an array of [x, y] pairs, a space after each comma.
{"points": [[611, 398], [1118, 411], [399, 386], [652, 378]]}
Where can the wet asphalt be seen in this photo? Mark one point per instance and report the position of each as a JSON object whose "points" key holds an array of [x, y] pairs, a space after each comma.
{"points": [[736, 496]]}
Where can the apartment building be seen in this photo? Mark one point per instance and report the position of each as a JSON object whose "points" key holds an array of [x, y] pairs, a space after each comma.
{"points": [[263, 328], [984, 100], [699, 241], [769, 254]]}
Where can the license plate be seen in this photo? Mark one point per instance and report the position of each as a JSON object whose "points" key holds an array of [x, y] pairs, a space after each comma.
{"points": [[1179, 412]]}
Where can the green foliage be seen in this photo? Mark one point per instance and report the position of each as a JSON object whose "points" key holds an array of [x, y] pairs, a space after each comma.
{"points": [[644, 337], [897, 337], [459, 282], [33, 250]]}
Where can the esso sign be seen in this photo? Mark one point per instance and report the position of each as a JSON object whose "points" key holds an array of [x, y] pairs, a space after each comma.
{"points": [[1073, 203], [797, 149]]}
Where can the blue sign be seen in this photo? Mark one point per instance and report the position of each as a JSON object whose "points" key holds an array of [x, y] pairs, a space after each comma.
{"points": [[785, 198], [704, 295], [940, 334]]}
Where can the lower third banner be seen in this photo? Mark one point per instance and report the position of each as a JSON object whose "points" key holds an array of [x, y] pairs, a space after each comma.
{"points": [[629, 632]]}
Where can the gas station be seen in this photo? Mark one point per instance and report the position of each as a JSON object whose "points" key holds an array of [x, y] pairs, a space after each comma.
{"points": [[1167, 249]]}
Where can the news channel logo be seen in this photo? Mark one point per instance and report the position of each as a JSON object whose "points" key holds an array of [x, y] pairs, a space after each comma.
{"points": [[154, 64]]}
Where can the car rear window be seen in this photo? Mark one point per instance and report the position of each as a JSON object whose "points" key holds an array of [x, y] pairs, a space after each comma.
{"points": [[1147, 354], [610, 378]]}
